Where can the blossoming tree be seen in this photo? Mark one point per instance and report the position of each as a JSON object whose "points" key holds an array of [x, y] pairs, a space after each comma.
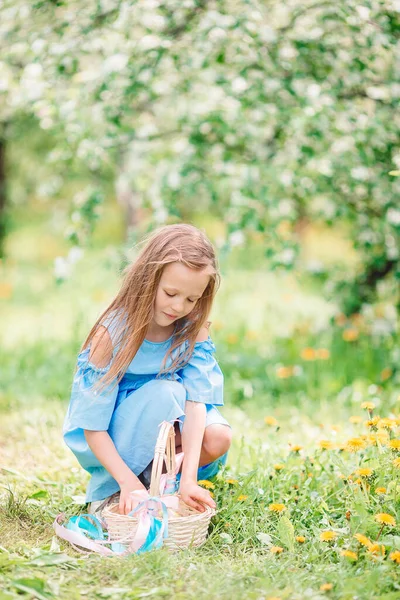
{"points": [[264, 113]]}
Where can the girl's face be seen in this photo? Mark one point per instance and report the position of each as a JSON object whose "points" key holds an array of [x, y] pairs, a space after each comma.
{"points": [[178, 291]]}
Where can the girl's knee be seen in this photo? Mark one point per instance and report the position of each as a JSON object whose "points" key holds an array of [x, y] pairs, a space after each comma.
{"points": [[217, 440]]}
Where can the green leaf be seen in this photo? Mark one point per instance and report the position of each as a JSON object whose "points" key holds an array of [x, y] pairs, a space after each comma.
{"points": [[39, 494], [33, 586], [286, 533], [51, 558]]}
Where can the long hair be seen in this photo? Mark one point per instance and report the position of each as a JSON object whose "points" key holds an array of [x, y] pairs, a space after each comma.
{"points": [[132, 309]]}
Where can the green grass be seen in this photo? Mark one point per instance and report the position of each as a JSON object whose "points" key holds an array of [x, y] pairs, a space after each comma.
{"points": [[281, 358]]}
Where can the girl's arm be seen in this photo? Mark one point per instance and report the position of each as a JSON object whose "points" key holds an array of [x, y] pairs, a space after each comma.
{"points": [[101, 443], [192, 438], [105, 451]]}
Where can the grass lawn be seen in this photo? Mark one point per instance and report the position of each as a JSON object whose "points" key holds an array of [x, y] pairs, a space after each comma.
{"points": [[309, 469]]}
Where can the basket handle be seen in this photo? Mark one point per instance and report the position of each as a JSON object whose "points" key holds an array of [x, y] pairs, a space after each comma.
{"points": [[164, 450]]}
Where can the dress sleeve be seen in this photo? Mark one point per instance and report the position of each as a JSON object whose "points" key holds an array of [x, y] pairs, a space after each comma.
{"points": [[91, 408], [202, 376]]}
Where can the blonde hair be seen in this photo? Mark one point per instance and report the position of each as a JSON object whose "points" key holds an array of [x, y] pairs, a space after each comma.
{"points": [[132, 309]]}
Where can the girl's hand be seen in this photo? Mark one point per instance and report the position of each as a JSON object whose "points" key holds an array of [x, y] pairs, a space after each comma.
{"points": [[126, 501], [192, 494]]}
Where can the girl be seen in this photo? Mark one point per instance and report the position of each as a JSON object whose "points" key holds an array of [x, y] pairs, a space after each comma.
{"points": [[147, 359]]}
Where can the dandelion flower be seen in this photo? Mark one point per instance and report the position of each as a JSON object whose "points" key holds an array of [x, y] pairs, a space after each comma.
{"points": [[385, 519], [387, 423], [296, 448], [271, 421], [300, 538], [394, 444], [277, 507], [323, 354], [377, 549], [395, 556], [284, 372], [373, 422], [232, 481], [368, 405], [326, 445], [326, 587], [350, 334], [276, 549], [327, 536], [363, 540], [364, 472], [232, 338], [355, 419], [279, 467], [308, 354], [355, 444], [396, 463], [349, 554], [207, 484], [380, 490], [242, 498]]}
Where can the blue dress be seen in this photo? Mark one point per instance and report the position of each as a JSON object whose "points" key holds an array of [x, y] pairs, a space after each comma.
{"points": [[132, 410]]}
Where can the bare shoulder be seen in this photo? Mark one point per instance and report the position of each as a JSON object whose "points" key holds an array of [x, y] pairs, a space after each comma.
{"points": [[204, 332], [101, 348]]}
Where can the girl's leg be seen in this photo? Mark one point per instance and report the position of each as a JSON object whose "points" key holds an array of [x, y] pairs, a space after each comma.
{"points": [[216, 442]]}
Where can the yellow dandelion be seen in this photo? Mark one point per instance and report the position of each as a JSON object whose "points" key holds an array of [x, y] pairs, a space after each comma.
{"points": [[232, 481], [326, 587], [394, 444], [373, 422], [274, 598], [271, 421], [380, 436], [242, 498], [355, 419], [308, 354], [349, 554], [380, 490], [377, 549], [277, 507], [207, 484], [396, 463], [232, 338], [387, 423], [284, 372], [350, 334], [363, 540], [251, 335], [368, 405], [300, 538], [276, 549], [385, 519], [355, 444], [395, 556], [326, 445], [327, 536], [279, 467], [386, 373], [296, 448], [364, 472]]}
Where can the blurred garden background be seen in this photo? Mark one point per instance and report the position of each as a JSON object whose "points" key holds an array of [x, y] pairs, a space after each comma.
{"points": [[275, 128]]}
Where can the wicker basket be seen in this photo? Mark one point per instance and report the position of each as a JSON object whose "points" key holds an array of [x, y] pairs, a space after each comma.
{"points": [[186, 528]]}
